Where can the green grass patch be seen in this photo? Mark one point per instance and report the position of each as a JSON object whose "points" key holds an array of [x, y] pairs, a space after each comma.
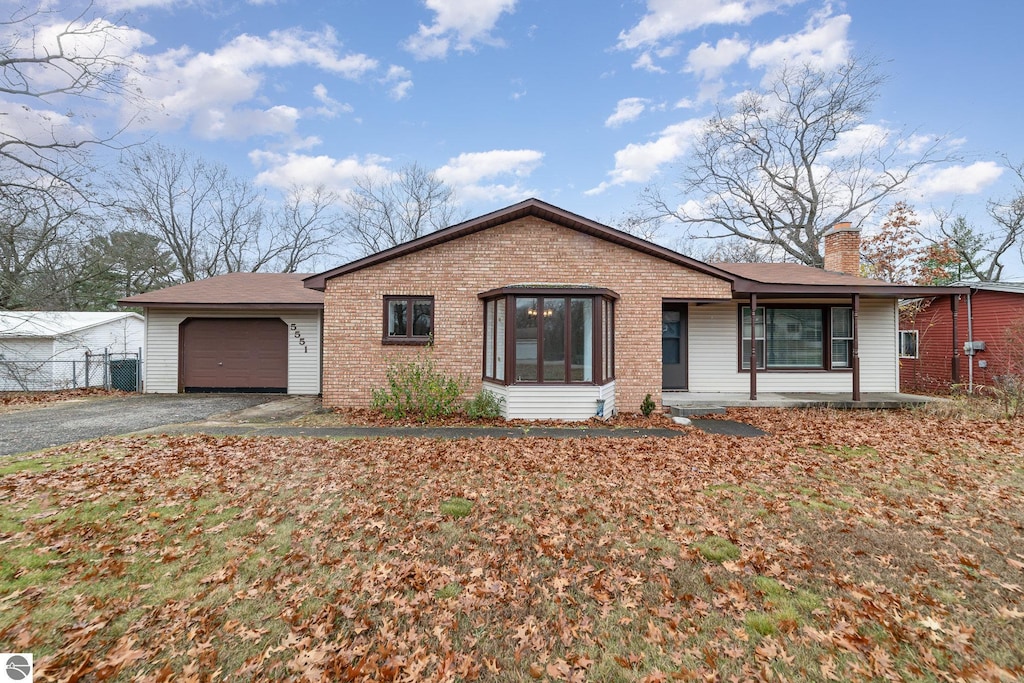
{"points": [[448, 592], [717, 549], [456, 507]]}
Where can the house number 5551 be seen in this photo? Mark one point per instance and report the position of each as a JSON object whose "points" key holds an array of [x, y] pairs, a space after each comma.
{"points": [[298, 335]]}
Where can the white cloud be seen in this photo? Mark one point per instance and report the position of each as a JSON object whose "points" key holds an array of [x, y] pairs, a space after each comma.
{"points": [[399, 82], [646, 62], [205, 89], [970, 179], [468, 172], [239, 124], [287, 170], [128, 5], [823, 43], [669, 18], [331, 107], [637, 163], [852, 142], [916, 144], [709, 61], [459, 24], [628, 109]]}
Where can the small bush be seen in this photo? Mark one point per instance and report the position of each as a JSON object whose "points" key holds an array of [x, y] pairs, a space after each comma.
{"points": [[648, 406], [417, 389], [484, 405], [1008, 391]]}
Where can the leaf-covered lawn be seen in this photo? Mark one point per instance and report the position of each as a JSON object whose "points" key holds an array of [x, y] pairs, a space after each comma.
{"points": [[845, 546]]}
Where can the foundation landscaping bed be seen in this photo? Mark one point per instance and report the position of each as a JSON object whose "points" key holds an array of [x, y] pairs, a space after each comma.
{"points": [[840, 546]]}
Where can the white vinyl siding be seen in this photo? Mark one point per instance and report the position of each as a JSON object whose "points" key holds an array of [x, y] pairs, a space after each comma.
{"points": [[117, 336], [161, 349], [25, 368], [713, 339], [556, 402], [61, 359]]}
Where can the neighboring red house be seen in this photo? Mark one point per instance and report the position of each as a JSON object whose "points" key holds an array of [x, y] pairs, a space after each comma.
{"points": [[989, 329]]}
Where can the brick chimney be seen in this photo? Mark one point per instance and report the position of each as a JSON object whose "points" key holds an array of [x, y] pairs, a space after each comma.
{"points": [[842, 249]]}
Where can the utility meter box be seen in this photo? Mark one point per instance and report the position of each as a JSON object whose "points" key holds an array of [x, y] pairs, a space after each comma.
{"points": [[972, 347]]}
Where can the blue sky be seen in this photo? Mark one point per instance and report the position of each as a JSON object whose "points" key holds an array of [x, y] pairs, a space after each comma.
{"points": [[579, 103]]}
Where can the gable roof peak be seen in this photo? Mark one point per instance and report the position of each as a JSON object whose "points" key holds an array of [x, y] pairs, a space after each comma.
{"points": [[531, 207]]}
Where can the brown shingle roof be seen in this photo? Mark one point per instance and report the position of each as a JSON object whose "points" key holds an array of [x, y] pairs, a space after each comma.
{"points": [[234, 290], [794, 279], [795, 274]]}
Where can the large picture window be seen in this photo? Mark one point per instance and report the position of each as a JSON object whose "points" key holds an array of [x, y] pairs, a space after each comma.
{"points": [[408, 319], [554, 337], [798, 338]]}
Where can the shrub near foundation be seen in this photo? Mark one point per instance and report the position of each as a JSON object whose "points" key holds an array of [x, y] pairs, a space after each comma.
{"points": [[418, 389]]}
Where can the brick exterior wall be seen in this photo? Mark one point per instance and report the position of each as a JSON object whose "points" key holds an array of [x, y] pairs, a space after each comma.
{"points": [[842, 249], [529, 250]]}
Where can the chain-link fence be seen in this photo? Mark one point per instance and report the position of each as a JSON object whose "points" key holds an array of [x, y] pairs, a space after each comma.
{"points": [[107, 370]]}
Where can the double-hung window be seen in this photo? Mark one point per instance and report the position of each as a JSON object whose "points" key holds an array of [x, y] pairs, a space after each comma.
{"points": [[798, 337], [408, 319]]}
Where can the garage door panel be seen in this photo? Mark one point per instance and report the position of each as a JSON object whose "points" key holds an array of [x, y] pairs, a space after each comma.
{"points": [[240, 354]]}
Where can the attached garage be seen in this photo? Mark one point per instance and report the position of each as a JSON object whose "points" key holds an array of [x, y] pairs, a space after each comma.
{"points": [[233, 354], [251, 332]]}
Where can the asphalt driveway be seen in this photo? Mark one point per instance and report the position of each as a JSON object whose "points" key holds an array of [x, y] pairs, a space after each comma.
{"points": [[67, 422]]}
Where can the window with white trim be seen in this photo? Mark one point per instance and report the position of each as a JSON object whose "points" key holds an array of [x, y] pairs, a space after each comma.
{"points": [[908, 343]]}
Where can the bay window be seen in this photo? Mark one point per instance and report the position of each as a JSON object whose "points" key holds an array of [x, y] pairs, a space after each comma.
{"points": [[557, 336]]}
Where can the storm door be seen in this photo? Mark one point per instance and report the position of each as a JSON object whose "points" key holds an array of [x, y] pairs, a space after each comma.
{"points": [[673, 347]]}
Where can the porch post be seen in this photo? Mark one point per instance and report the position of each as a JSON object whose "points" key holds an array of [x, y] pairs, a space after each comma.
{"points": [[753, 346], [954, 300], [856, 347]]}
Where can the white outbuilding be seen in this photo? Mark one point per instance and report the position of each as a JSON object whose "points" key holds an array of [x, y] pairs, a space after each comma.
{"points": [[51, 350]]}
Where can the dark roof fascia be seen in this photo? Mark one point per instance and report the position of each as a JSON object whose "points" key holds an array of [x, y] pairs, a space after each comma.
{"points": [[742, 288], [530, 207], [225, 307], [541, 290]]}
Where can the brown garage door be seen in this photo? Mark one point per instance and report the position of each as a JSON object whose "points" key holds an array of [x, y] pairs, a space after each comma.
{"points": [[233, 354]]}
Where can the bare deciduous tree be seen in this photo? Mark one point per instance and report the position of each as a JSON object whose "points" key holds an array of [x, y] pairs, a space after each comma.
{"points": [[786, 163], [39, 232], [213, 222], [48, 63], [983, 254], [384, 213], [306, 226]]}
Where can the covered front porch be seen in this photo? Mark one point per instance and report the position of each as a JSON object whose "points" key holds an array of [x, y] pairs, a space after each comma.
{"points": [[696, 403]]}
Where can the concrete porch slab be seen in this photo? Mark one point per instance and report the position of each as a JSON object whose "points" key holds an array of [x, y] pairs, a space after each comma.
{"points": [[694, 401]]}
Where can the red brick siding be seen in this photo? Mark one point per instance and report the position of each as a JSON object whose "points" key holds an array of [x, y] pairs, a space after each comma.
{"points": [[528, 250], [992, 313]]}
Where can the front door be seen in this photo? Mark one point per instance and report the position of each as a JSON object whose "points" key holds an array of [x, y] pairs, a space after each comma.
{"points": [[673, 347]]}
